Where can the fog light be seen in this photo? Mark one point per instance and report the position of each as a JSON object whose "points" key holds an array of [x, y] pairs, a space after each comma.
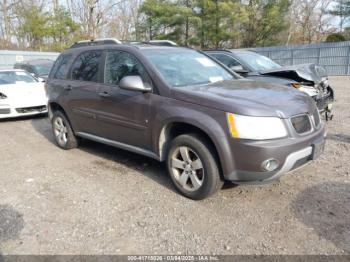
{"points": [[270, 164]]}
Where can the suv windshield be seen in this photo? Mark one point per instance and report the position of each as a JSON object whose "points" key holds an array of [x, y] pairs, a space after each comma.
{"points": [[181, 67], [257, 62], [13, 77]]}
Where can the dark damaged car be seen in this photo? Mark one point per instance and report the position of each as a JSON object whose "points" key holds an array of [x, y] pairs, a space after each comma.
{"points": [[309, 78]]}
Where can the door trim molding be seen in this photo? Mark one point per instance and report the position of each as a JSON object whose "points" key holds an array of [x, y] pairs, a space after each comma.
{"points": [[113, 143]]}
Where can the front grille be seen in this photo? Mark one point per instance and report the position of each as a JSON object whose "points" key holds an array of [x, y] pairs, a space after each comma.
{"points": [[316, 118], [4, 111], [33, 109], [301, 124]]}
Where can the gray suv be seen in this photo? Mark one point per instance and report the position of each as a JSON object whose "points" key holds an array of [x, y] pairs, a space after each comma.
{"points": [[178, 105]]}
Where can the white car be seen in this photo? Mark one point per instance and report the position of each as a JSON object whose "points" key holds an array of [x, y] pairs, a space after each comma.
{"points": [[21, 94]]}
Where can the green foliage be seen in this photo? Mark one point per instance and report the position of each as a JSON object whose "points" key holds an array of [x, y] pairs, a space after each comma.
{"points": [[262, 21], [34, 25], [46, 31], [214, 23], [60, 28], [336, 37]]}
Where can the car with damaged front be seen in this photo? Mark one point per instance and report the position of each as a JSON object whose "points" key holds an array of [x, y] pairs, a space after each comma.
{"points": [[181, 107], [309, 78], [39, 68]]}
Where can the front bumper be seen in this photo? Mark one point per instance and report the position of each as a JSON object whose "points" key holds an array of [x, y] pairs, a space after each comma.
{"points": [[291, 154], [8, 111]]}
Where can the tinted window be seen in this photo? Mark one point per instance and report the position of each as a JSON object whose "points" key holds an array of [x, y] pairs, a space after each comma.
{"points": [[85, 67], [226, 60], [184, 67], [120, 64], [61, 66]]}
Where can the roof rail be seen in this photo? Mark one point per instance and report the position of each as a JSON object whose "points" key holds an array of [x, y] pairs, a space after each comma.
{"points": [[150, 42], [217, 49], [109, 41], [162, 42], [98, 41]]}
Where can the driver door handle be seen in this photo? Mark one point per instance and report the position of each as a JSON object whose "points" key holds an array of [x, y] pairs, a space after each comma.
{"points": [[104, 94], [67, 87]]}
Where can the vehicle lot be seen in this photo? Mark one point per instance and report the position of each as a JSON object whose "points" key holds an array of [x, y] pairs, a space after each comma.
{"points": [[102, 200]]}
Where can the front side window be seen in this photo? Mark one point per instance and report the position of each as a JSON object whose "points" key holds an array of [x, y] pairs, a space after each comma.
{"points": [[226, 60], [185, 67], [85, 67], [120, 64]]}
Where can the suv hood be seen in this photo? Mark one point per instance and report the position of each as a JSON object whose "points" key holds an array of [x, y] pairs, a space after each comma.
{"points": [[246, 97], [300, 73]]}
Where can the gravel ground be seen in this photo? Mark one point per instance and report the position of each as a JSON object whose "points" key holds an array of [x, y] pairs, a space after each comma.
{"points": [[101, 200]]}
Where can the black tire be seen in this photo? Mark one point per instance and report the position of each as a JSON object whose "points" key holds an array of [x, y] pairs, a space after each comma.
{"points": [[208, 177], [70, 141]]}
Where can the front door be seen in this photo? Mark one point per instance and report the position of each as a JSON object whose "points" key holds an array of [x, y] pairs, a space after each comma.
{"points": [[123, 115]]}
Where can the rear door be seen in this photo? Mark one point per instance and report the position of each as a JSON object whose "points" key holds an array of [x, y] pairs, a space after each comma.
{"points": [[81, 91], [123, 114]]}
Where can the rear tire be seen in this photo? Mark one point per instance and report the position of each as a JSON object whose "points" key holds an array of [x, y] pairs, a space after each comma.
{"points": [[193, 169], [63, 132]]}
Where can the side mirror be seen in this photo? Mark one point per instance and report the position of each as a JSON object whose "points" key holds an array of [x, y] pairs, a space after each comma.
{"points": [[133, 83], [238, 69]]}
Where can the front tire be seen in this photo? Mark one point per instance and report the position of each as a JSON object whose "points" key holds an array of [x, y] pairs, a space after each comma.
{"points": [[63, 132], [192, 167]]}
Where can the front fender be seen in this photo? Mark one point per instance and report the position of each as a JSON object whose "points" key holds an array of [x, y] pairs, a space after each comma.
{"points": [[212, 122]]}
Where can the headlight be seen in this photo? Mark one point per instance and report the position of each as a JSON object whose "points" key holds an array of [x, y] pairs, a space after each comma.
{"points": [[2, 96], [257, 128]]}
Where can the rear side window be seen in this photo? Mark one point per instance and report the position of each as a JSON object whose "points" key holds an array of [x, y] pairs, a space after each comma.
{"points": [[226, 60], [61, 66], [85, 67]]}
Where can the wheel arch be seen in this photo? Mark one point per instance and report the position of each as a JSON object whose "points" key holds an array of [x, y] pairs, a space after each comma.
{"points": [[54, 106], [173, 129]]}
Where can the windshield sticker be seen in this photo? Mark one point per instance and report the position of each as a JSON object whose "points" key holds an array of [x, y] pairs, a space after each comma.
{"points": [[214, 79], [205, 62], [21, 73]]}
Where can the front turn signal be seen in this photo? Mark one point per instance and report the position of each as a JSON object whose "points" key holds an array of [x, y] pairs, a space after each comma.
{"points": [[296, 85]]}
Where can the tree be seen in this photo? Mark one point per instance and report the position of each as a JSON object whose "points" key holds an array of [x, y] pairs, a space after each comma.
{"points": [[342, 10], [61, 27], [336, 37], [33, 24], [162, 19], [262, 21], [309, 21]]}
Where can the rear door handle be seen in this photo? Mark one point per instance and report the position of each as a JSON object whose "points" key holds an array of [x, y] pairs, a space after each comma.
{"points": [[68, 87], [104, 94]]}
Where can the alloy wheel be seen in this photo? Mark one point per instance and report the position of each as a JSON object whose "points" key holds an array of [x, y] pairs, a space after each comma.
{"points": [[60, 131], [187, 168]]}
